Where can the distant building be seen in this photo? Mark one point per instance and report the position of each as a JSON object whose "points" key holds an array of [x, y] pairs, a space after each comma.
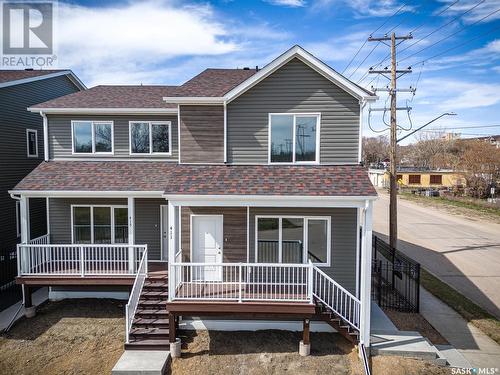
{"points": [[451, 136], [417, 178]]}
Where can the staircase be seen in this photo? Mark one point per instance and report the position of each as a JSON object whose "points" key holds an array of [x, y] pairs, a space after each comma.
{"points": [[327, 315], [149, 329]]}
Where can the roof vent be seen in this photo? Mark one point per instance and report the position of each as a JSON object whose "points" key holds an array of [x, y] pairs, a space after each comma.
{"points": [[256, 68], [246, 68], [29, 69]]}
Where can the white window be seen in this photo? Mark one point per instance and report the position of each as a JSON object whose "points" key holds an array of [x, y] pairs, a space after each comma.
{"points": [[32, 143], [92, 137], [294, 138], [99, 224], [148, 137], [293, 239], [18, 219]]}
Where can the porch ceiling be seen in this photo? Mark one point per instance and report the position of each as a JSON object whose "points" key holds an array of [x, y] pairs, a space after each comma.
{"points": [[185, 179]]}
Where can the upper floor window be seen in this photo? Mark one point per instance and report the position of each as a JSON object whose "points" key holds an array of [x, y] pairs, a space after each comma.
{"points": [[294, 138], [92, 137], [150, 137], [32, 143]]}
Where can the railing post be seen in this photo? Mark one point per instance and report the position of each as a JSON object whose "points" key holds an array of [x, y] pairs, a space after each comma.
{"points": [[146, 259], [310, 283], [240, 299], [126, 325], [18, 260], [82, 262]]}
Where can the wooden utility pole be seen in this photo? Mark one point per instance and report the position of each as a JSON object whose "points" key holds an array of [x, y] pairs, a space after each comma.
{"points": [[393, 204]]}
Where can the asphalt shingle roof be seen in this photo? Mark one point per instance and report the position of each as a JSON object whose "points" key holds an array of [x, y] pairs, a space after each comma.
{"points": [[15, 75], [325, 180]]}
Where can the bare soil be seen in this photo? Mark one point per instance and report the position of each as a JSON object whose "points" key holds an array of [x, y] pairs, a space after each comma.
{"points": [[86, 337]]}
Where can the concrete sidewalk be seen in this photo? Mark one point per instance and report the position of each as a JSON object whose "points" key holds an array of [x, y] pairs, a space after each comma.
{"points": [[474, 345]]}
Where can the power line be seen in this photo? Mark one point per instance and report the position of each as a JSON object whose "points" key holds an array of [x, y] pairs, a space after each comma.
{"points": [[362, 62], [469, 127], [437, 15]]}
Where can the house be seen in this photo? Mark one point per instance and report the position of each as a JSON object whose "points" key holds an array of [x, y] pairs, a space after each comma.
{"points": [[234, 198], [418, 178], [21, 150]]}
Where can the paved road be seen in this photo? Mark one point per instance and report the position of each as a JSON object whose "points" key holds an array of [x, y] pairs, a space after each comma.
{"points": [[464, 252]]}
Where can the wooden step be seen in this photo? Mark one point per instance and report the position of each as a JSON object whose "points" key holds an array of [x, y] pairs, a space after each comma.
{"points": [[156, 322], [152, 303], [151, 313], [149, 333], [151, 294], [148, 344]]}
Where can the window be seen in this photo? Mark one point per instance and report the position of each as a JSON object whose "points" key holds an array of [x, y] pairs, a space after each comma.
{"points": [[150, 137], [414, 179], [294, 138], [18, 219], [32, 143], [399, 177], [100, 224], [436, 179], [292, 239], [92, 137]]}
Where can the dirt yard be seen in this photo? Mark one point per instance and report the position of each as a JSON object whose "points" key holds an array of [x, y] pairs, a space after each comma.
{"points": [[86, 337]]}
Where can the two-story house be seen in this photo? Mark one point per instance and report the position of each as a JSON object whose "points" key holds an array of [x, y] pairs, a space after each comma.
{"points": [[237, 195], [21, 150]]}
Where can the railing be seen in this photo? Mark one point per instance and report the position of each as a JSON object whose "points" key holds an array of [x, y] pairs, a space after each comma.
{"points": [[42, 240], [133, 301], [82, 260], [336, 297], [241, 282]]}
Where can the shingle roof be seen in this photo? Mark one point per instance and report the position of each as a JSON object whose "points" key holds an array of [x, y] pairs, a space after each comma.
{"points": [[14, 75], [114, 97], [199, 179]]}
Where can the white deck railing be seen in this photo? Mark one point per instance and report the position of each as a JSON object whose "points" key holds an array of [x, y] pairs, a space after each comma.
{"points": [[135, 294], [42, 240], [78, 260]]}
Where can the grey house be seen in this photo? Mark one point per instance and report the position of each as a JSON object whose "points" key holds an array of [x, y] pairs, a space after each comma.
{"points": [[21, 150], [235, 197]]}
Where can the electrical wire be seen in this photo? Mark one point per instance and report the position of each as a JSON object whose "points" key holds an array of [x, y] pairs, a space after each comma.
{"points": [[362, 62]]}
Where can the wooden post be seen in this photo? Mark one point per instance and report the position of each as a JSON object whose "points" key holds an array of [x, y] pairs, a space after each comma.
{"points": [[28, 302], [305, 332], [171, 328]]}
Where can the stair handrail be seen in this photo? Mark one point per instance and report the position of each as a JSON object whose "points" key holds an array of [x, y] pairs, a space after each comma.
{"points": [[133, 301], [364, 357], [340, 309]]}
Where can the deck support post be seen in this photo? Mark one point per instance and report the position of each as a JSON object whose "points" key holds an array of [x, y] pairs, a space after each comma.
{"points": [[175, 343], [29, 309], [305, 344], [365, 279], [131, 234]]}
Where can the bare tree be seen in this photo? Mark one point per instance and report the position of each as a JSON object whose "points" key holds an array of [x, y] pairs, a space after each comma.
{"points": [[375, 149]]}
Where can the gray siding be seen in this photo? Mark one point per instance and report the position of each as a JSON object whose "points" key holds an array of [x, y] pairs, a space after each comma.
{"points": [[343, 220], [293, 88], [14, 163], [38, 217], [147, 220], [61, 144], [202, 133]]}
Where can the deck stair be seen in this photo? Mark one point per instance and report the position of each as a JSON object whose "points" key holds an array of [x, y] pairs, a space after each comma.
{"points": [[150, 325], [327, 315]]}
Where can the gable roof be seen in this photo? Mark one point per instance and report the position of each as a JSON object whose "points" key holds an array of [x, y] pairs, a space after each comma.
{"points": [[17, 77]]}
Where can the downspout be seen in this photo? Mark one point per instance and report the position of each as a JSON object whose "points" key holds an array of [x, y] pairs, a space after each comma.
{"points": [[225, 132], [362, 104], [45, 136]]}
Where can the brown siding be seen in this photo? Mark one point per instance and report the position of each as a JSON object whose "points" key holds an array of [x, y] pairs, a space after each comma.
{"points": [[235, 231], [202, 134]]}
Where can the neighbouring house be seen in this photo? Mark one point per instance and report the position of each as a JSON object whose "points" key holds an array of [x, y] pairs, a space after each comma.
{"points": [[418, 178], [21, 150], [234, 200]]}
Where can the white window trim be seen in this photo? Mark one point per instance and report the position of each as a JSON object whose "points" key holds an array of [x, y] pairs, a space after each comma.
{"points": [[295, 115], [93, 123], [92, 206], [305, 236], [150, 124], [28, 131], [18, 219]]}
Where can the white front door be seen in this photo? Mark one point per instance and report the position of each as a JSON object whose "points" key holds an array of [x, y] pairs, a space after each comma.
{"points": [[206, 239], [164, 232]]}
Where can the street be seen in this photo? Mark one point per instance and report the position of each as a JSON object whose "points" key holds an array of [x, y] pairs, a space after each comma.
{"points": [[462, 251]]}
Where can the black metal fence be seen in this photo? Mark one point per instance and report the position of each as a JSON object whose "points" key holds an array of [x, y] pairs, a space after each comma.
{"points": [[10, 292], [395, 278]]}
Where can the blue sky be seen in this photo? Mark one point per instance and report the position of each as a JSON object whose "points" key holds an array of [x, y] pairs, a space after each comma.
{"points": [[167, 42]]}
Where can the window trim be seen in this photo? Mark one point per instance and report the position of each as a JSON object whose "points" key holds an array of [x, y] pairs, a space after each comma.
{"points": [[150, 124], [28, 131], [305, 236], [92, 125], [295, 115], [111, 207]]}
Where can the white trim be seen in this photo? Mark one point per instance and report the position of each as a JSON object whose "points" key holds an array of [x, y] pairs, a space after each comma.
{"points": [[116, 158], [162, 248], [45, 136], [250, 325], [225, 132], [47, 209], [358, 244], [199, 100], [294, 125], [18, 218], [71, 75], [248, 234], [305, 234], [112, 208], [313, 62], [366, 269], [87, 194], [362, 104], [150, 125], [93, 123], [35, 155], [93, 111], [191, 216], [179, 132]]}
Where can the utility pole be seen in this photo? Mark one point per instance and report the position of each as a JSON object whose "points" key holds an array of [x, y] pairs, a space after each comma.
{"points": [[394, 75]]}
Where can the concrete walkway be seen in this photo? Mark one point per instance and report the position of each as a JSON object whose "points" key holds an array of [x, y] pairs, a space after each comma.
{"points": [[40, 296], [475, 346]]}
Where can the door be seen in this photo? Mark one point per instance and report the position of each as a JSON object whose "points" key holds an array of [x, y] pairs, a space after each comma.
{"points": [[164, 232], [206, 240]]}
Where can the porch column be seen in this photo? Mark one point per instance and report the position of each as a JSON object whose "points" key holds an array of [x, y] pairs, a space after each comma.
{"points": [[131, 233], [172, 233], [365, 279], [24, 208]]}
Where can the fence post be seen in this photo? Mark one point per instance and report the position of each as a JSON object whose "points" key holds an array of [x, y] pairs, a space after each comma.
{"points": [[418, 288], [379, 283], [240, 299], [82, 262], [310, 283]]}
